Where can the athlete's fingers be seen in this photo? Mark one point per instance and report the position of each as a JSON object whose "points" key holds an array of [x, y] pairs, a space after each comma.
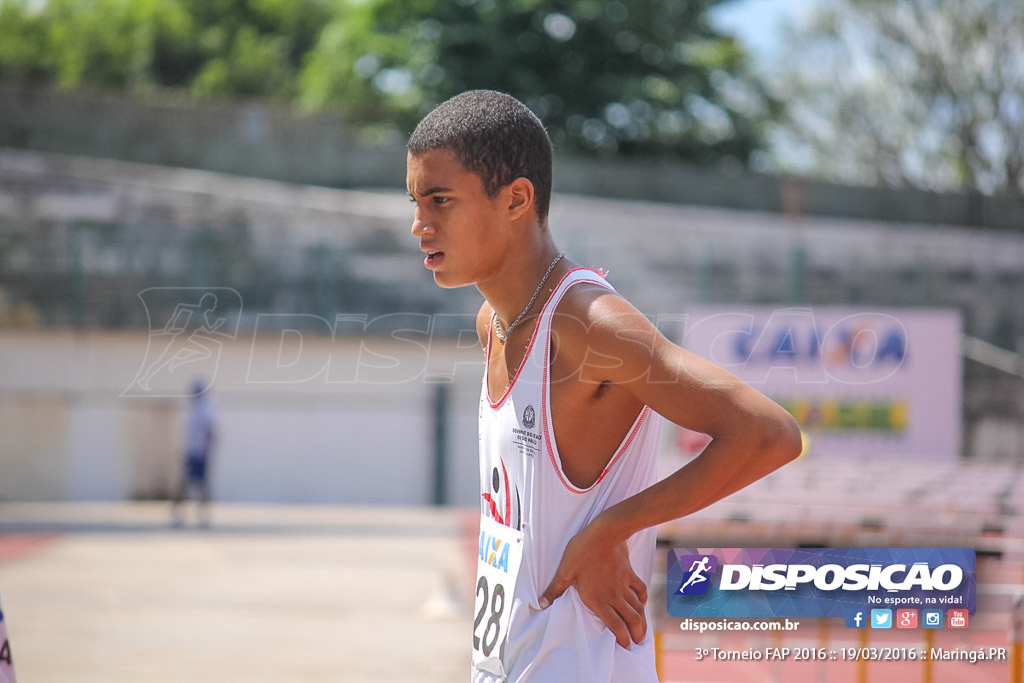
{"points": [[615, 623], [558, 585], [626, 620], [639, 588], [635, 597], [634, 616]]}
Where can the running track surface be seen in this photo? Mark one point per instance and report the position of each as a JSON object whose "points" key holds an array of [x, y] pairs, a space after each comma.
{"points": [[679, 661]]}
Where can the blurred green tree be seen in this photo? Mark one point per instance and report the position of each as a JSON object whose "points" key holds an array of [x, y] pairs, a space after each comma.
{"points": [[916, 93], [22, 42], [647, 77], [208, 47]]}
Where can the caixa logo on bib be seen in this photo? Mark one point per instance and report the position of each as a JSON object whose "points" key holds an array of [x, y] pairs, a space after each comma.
{"points": [[817, 582], [494, 551]]}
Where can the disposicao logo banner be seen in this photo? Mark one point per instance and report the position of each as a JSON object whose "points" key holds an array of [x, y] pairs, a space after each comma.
{"points": [[817, 582]]}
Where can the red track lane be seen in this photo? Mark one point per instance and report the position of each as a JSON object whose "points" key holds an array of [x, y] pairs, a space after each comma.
{"points": [[14, 546]]}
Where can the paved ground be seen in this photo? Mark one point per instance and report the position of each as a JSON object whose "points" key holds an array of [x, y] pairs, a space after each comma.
{"points": [[113, 593]]}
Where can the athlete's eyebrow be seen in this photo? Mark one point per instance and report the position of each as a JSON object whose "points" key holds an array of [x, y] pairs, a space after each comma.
{"points": [[433, 190]]}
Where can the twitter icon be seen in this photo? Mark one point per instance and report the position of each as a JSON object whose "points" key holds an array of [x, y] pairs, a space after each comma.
{"points": [[881, 618]]}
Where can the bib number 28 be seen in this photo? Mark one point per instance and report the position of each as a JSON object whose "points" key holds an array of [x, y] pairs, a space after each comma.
{"points": [[492, 608], [501, 553]]}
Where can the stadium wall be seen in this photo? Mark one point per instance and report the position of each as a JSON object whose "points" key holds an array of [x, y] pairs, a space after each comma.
{"points": [[300, 418], [264, 140]]}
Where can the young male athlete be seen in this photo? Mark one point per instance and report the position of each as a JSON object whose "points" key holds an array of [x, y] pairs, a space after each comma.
{"points": [[574, 383]]}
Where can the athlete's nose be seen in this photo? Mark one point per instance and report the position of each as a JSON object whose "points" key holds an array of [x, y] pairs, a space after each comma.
{"points": [[421, 226]]}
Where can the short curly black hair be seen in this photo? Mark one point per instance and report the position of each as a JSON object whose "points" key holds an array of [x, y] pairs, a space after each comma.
{"points": [[493, 135]]}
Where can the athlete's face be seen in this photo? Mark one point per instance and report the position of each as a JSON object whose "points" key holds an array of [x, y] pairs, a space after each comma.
{"points": [[458, 225]]}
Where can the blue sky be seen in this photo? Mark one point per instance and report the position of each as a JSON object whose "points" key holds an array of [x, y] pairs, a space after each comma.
{"points": [[758, 23]]}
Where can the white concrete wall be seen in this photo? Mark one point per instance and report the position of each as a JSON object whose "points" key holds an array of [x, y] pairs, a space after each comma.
{"points": [[75, 425]]}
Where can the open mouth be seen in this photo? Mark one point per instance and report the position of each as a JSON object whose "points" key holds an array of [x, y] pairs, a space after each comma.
{"points": [[433, 258]]}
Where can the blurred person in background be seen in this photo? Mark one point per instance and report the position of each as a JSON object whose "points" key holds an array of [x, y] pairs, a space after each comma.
{"points": [[200, 432]]}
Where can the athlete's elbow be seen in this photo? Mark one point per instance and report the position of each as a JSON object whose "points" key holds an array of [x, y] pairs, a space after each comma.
{"points": [[780, 440]]}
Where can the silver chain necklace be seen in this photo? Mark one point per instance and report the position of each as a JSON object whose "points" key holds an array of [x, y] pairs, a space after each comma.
{"points": [[502, 336]]}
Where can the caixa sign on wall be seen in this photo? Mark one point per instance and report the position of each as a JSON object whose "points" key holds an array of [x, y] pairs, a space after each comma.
{"points": [[859, 381]]}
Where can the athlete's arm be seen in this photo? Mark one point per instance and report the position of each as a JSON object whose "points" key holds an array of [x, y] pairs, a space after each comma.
{"points": [[751, 437]]}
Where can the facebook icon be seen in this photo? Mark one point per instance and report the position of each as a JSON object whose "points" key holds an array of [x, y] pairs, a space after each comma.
{"points": [[855, 618]]}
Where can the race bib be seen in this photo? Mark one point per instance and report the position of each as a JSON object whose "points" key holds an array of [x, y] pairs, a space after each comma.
{"points": [[6, 665], [501, 553]]}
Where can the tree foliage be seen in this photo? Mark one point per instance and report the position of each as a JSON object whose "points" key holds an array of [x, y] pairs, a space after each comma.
{"points": [[644, 77], [922, 93], [208, 47], [639, 77]]}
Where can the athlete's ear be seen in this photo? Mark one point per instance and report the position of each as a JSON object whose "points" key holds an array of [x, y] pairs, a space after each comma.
{"points": [[520, 198]]}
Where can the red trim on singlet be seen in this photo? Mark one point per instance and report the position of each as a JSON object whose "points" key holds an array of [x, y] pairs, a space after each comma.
{"points": [[556, 461], [529, 348], [554, 458]]}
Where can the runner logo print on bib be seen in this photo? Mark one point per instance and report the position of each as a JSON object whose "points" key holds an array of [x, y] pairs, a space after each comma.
{"points": [[501, 553]]}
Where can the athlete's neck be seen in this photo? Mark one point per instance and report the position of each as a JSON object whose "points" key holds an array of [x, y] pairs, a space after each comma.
{"points": [[510, 292]]}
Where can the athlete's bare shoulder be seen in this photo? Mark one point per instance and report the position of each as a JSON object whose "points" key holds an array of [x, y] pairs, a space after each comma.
{"points": [[592, 317]]}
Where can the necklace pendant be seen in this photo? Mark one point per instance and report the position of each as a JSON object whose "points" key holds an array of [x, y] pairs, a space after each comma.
{"points": [[529, 305]]}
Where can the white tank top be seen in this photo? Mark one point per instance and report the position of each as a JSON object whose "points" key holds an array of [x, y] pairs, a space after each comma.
{"points": [[529, 512]]}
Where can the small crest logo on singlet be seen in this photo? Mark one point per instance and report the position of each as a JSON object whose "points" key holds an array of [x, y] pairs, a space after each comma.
{"points": [[529, 417]]}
